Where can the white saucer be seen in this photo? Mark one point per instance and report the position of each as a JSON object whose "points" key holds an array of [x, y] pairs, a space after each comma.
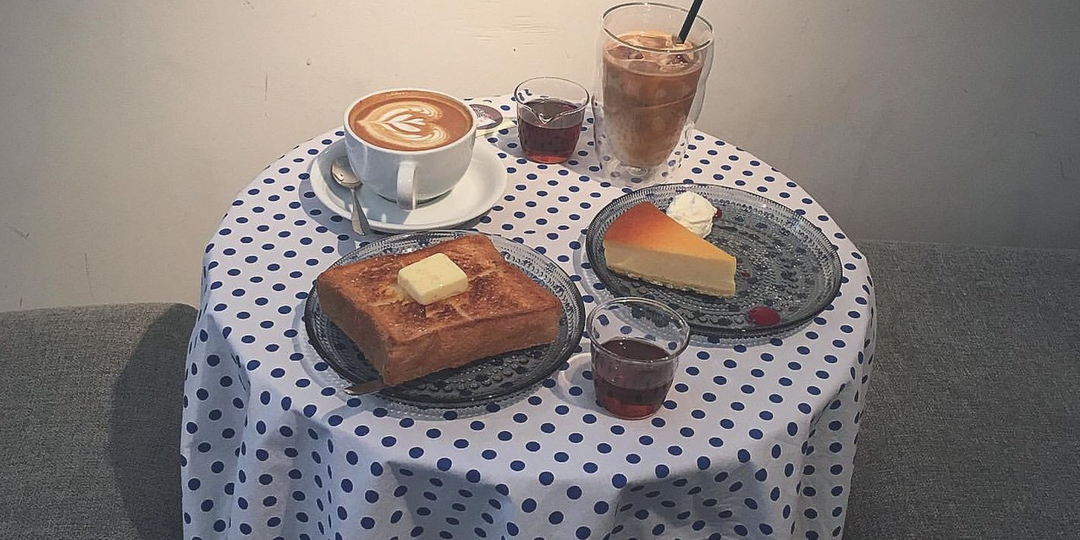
{"points": [[481, 187]]}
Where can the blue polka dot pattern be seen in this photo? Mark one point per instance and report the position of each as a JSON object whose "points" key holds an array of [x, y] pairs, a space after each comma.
{"points": [[755, 439]]}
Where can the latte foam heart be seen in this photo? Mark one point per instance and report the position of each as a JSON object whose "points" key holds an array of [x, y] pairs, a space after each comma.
{"points": [[409, 120]]}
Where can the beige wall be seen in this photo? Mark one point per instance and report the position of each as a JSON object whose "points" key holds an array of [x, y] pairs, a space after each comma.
{"points": [[127, 127]]}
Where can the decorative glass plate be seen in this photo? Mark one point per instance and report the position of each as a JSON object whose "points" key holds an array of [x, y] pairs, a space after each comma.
{"points": [[784, 263], [477, 383]]}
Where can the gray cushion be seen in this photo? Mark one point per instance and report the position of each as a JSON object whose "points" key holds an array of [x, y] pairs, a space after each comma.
{"points": [[972, 424], [90, 427]]}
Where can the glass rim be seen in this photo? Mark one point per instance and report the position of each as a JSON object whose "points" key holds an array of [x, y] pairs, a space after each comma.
{"points": [[684, 341], [584, 103], [697, 18]]}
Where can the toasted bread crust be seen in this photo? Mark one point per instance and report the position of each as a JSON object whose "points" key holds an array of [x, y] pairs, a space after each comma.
{"points": [[502, 310]]}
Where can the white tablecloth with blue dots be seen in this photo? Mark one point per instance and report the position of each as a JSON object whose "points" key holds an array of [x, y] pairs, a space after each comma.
{"points": [[756, 440]]}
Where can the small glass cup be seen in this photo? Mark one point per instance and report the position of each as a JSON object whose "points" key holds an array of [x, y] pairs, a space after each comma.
{"points": [[550, 111], [636, 343]]}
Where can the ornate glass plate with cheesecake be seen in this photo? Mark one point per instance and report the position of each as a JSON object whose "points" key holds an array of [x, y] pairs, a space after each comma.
{"points": [[749, 267], [514, 320]]}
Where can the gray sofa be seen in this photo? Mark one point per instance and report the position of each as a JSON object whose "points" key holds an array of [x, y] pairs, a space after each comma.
{"points": [[972, 422], [972, 426], [90, 427]]}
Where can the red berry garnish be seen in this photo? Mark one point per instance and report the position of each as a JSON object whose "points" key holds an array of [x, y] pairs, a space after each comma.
{"points": [[763, 316]]}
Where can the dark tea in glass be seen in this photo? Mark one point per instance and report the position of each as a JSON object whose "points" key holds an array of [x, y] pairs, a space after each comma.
{"points": [[550, 112], [636, 344], [548, 129], [629, 390]]}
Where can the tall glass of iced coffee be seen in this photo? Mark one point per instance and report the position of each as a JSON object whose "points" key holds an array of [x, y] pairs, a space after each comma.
{"points": [[649, 90]]}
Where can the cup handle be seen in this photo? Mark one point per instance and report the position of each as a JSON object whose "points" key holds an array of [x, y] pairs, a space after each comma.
{"points": [[406, 190]]}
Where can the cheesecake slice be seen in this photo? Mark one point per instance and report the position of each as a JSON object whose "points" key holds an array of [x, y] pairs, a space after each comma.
{"points": [[645, 243]]}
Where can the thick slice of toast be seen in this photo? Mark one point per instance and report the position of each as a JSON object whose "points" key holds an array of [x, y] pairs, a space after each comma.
{"points": [[502, 310]]}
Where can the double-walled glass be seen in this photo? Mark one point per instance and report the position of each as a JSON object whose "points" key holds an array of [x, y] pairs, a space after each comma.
{"points": [[649, 90]]}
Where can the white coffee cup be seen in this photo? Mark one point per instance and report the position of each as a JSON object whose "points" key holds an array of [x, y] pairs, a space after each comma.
{"points": [[409, 144]]}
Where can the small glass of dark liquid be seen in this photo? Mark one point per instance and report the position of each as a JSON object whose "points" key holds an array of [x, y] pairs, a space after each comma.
{"points": [[550, 112], [636, 344]]}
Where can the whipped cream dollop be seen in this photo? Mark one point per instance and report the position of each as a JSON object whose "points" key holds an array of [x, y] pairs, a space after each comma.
{"points": [[693, 212]]}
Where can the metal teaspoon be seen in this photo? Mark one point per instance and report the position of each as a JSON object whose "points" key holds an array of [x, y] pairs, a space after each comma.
{"points": [[344, 176]]}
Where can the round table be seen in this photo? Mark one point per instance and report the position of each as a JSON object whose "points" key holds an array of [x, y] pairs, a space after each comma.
{"points": [[756, 440]]}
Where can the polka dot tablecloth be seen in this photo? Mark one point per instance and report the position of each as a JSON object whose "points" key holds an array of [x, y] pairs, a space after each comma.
{"points": [[756, 440]]}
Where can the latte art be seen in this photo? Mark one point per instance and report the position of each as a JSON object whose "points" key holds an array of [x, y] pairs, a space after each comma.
{"points": [[410, 120], [408, 124]]}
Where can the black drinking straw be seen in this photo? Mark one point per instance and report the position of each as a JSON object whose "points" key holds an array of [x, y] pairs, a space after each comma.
{"points": [[690, 16]]}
